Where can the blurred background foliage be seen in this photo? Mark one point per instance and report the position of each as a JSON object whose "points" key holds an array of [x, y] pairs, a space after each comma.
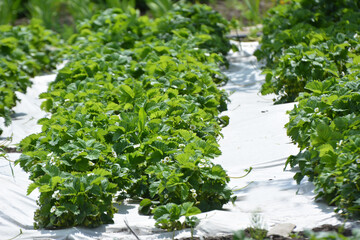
{"points": [[61, 15]]}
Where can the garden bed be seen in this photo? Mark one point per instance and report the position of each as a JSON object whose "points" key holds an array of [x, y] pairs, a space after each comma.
{"points": [[254, 138]]}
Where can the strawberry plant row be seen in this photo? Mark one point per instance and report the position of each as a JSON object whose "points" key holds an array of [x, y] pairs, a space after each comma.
{"points": [[135, 114], [319, 58], [307, 40], [24, 52]]}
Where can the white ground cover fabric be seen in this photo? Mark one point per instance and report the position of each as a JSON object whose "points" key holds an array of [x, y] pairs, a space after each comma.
{"points": [[254, 138]]}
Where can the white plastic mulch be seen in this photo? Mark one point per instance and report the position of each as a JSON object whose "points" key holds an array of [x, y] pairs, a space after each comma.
{"points": [[254, 138]]}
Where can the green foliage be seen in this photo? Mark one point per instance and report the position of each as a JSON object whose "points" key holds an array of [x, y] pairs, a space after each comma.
{"points": [[252, 12], [241, 235], [312, 48], [168, 216], [305, 41], [45, 11], [324, 124], [159, 8], [24, 52], [125, 5], [207, 28], [331, 235], [134, 115], [8, 11]]}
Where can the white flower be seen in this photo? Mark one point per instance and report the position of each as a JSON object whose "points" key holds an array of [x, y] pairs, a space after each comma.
{"points": [[136, 145], [201, 181], [53, 209], [181, 145], [91, 163], [316, 109], [358, 161], [192, 127], [56, 195], [193, 192], [203, 160], [200, 165], [159, 138], [114, 153], [207, 165], [91, 174], [165, 160], [166, 196]]}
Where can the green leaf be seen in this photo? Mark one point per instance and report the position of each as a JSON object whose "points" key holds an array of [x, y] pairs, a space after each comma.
{"points": [[101, 172], [31, 188], [142, 120], [333, 72], [225, 120], [45, 188], [145, 206], [153, 189], [97, 181], [188, 209], [356, 60], [315, 86], [162, 211], [183, 160], [126, 89], [217, 172], [56, 180], [92, 155], [120, 146], [324, 134], [324, 149], [329, 99]]}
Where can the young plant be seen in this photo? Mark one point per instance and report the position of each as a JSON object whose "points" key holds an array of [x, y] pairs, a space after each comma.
{"points": [[169, 216]]}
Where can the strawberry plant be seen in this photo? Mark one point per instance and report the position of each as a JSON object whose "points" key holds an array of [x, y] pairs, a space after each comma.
{"points": [[168, 216], [24, 52], [296, 32], [134, 115], [315, 61]]}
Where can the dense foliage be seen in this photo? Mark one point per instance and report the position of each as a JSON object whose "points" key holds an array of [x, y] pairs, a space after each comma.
{"points": [[24, 52], [134, 115], [312, 47], [62, 15], [307, 40], [310, 235]]}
